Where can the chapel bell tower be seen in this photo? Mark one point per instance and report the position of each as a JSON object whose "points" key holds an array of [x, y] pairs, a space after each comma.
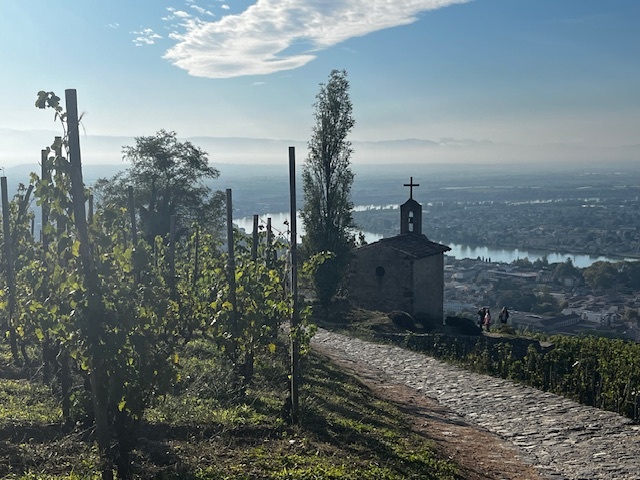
{"points": [[411, 213]]}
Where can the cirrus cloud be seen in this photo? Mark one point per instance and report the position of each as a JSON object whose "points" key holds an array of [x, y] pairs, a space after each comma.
{"points": [[146, 36], [256, 41]]}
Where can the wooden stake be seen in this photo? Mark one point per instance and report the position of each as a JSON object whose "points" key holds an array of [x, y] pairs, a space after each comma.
{"points": [[232, 274], [254, 245], [270, 253], [98, 374], [8, 260], [172, 256], [294, 333], [132, 216]]}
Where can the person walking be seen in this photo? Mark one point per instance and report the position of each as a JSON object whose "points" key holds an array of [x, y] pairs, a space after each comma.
{"points": [[481, 313], [487, 320], [504, 315]]}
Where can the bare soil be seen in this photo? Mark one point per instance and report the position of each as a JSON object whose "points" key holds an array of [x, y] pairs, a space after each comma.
{"points": [[479, 454]]}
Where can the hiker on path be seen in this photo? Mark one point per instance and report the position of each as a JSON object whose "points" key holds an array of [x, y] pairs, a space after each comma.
{"points": [[504, 315], [487, 320], [481, 313]]}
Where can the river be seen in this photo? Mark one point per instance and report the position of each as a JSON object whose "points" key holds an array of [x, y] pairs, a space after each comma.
{"points": [[457, 251]]}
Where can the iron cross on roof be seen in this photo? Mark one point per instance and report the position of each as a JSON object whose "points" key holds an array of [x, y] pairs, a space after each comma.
{"points": [[411, 185]]}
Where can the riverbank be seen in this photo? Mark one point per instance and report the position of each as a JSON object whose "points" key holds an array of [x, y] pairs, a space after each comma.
{"points": [[459, 251], [580, 259]]}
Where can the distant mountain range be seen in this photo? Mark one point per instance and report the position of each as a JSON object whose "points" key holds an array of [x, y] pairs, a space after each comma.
{"points": [[23, 147]]}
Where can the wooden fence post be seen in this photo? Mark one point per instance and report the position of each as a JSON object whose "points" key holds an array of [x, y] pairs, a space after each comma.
{"points": [[8, 257], [270, 250], [45, 174], [196, 255], [132, 216], [134, 229], [61, 224], [295, 321], [172, 256], [97, 375], [232, 274], [90, 214], [254, 245]]}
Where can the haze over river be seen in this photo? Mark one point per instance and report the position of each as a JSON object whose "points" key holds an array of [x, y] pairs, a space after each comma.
{"points": [[280, 225]]}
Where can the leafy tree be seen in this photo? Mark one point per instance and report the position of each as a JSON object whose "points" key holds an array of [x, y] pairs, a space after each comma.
{"points": [[631, 274], [168, 178], [600, 275], [518, 300], [546, 303], [541, 263], [327, 180], [522, 262], [566, 269]]}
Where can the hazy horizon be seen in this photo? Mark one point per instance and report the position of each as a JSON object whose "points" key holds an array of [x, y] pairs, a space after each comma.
{"points": [[21, 147]]}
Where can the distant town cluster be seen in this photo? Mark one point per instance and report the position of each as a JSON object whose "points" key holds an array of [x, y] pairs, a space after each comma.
{"points": [[595, 226], [541, 298]]}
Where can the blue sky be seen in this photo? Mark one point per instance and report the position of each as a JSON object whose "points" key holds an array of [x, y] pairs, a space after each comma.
{"points": [[518, 73]]}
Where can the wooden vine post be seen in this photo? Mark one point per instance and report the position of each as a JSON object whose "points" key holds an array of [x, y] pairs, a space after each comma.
{"points": [[47, 361], [254, 244], [8, 261], [270, 255], [45, 175], [295, 321], [61, 224], [134, 228], [172, 257], [196, 257], [132, 216], [232, 275], [97, 372]]}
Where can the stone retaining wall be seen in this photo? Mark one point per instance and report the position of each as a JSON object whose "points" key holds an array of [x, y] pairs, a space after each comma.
{"points": [[450, 346]]}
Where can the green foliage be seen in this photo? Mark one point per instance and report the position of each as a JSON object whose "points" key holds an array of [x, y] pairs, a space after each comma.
{"points": [[529, 301], [606, 275], [168, 178], [566, 269], [522, 262], [327, 180], [600, 275], [463, 325], [51, 100], [518, 300], [541, 263], [111, 314], [28, 403], [201, 429], [630, 272]]}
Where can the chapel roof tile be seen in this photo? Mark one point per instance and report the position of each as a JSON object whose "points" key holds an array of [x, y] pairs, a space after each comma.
{"points": [[411, 244]]}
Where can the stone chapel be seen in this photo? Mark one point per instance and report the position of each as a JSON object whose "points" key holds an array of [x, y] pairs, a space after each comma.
{"points": [[404, 272]]}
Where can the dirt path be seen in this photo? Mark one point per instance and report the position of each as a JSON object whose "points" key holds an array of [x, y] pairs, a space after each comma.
{"points": [[479, 454]]}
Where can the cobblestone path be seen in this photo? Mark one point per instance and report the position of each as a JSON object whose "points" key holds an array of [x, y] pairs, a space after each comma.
{"points": [[560, 438]]}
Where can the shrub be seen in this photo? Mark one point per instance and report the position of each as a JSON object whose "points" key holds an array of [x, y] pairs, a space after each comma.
{"points": [[402, 320], [464, 326], [426, 321]]}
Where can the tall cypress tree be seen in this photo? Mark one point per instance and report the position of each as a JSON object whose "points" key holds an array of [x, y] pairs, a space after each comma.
{"points": [[327, 180]]}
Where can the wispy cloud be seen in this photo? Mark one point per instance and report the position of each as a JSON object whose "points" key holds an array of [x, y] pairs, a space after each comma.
{"points": [[146, 36], [256, 41], [202, 11]]}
